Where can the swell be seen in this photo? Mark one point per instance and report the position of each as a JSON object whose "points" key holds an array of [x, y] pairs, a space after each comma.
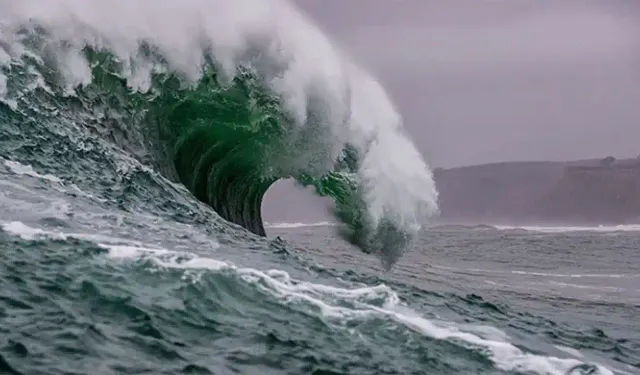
{"points": [[226, 122]]}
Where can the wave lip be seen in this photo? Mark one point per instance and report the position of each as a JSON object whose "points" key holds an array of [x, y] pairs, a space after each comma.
{"points": [[227, 98]]}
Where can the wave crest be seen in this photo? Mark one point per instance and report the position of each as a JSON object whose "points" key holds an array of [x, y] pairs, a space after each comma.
{"points": [[227, 98]]}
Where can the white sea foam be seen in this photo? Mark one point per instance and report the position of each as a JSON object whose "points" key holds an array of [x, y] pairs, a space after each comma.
{"points": [[27, 170], [540, 274], [576, 275], [3, 86], [339, 304], [299, 225], [334, 304], [301, 64], [569, 229], [574, 352], [29, 233]]}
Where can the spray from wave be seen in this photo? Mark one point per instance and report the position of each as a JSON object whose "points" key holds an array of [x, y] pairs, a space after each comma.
{"points": [[225, 97]]}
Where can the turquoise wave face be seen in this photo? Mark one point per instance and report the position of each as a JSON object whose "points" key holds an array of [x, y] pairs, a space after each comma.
{"points": [[227, 142]]}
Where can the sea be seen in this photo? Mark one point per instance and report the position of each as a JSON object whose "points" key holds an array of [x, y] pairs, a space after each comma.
{"points": [[90, 289], [137, 141]]}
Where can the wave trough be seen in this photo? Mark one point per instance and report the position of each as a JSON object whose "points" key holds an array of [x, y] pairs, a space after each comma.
{"points": [[227, 98]]}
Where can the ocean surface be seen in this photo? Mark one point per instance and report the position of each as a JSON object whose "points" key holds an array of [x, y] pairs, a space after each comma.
{"points": [[137, 141], [88, 288]]}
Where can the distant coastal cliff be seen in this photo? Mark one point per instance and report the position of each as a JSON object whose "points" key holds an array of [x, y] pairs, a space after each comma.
{"points": [[605, 191]]}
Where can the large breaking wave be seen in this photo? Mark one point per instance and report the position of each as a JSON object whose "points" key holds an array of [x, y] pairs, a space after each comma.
{"points": [[227, 98]]}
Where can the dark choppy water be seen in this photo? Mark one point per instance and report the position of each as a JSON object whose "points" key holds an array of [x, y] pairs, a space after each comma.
{"points": [[89, 287], [109, 267]]}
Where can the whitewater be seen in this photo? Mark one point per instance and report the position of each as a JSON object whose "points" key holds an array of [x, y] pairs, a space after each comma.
{"points": [[137, 141], [307, 106]]}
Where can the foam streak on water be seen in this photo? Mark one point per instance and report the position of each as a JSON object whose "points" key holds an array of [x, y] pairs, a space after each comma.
{"points": [[299, 225], [145, 257], [570, 229], [337, 307]]}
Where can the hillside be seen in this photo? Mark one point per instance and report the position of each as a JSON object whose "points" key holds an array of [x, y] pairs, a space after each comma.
{"points": [[579, 192]]}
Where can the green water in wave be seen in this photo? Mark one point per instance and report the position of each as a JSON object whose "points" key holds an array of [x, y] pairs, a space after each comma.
{"points": [[226, 142], [229, 144]]}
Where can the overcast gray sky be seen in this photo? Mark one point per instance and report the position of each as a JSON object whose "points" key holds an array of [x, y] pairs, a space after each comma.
{"points": [[479, 81], [496, 80]]}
